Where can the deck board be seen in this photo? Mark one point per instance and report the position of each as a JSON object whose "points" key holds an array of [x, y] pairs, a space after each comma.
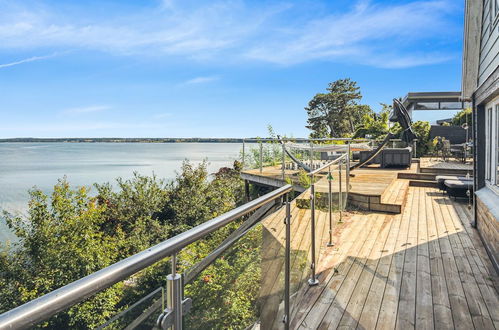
{"points": [[423, 269]]}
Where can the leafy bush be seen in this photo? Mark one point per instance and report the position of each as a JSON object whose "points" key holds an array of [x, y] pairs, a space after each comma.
{"points": [[71, 234], [463, 116]]}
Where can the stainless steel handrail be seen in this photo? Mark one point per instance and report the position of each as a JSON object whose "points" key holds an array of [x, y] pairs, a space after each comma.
{"points": [[337, 160], [44, 307], [256, 140]]}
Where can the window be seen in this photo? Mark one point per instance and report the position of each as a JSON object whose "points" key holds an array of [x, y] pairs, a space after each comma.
{"points": [[492, 145]]}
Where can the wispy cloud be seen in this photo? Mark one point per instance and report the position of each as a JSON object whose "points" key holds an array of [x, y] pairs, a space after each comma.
{"points": [[200, 80], [26, 60], [373, 33], [88, 109]]}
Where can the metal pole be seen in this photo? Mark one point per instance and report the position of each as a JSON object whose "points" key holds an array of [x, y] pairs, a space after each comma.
{"points": [[312, 156], [283, 162], [261, 157], [243, 154], [348, 169], [174, 302], [287, 260], [312, 280], [340, 196], [330, 200], [415, 149]]}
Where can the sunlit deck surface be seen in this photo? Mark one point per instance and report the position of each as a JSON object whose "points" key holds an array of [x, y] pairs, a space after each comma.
{"points": [[425, 268], [367, 180], [436, 165]]}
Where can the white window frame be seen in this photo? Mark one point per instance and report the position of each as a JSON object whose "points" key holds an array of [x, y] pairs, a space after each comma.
{"points": [[492, 145]]}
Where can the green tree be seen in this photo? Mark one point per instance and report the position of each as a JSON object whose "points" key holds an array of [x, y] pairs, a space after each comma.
{"points": [[463, 116], [59, 242], [337, 112], [375, 125]]}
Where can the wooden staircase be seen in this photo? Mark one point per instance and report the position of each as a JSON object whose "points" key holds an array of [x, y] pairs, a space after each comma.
{"points": [[390, 200], [419, 179]]}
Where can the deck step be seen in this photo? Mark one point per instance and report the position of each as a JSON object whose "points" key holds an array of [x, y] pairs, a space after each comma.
{"points": [[441, 171], [390, 201], [416, 176], [423, 183]]}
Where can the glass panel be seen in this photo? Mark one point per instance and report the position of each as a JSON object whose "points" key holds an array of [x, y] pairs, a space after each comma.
{"points": [[451, 105], [142, 313], [426, 106], [244, 285]]}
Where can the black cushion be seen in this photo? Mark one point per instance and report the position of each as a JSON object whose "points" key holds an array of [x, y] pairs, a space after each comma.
{"points": [[442, 178]]}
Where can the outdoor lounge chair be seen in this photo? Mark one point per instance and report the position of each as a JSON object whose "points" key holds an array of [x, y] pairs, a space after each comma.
{"points": [[441, 180], [458, 188]]}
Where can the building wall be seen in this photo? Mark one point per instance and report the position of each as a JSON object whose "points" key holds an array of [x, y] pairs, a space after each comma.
{"points": [[486, 201], [489, 43], [488, 224]]}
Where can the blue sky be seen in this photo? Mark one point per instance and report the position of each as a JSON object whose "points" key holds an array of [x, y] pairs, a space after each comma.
{"points": [[181, 68]]}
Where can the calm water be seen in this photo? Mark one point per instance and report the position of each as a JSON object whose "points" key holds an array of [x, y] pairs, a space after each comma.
{"points": [[24, 165]]}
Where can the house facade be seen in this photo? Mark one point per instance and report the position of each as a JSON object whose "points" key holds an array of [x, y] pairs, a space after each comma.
{"points": [[480, 85]]}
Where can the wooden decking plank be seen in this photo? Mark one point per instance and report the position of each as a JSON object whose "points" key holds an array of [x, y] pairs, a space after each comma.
{"points": [[388, 310], [424, 300], [345, 286], [353, 234], [459, 305], [371, 309], [440, 294], [478, 309], [479, 271], [358, 299], [407, 299], [487, 268], [477, 250], [328, 291], [474, 281], [431, 246]]}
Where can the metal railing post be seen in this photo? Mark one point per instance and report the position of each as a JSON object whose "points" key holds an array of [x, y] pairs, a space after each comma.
{"points": [[313, 279], [287, 269], [174, 301], [312, 156], [283, 162], [340, 195], [348, 169], [261, 157], [330, 206], [243, 154]]}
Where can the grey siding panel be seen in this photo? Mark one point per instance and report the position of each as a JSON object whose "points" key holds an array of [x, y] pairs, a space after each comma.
{"points": [[489, 65], [489, 54]]}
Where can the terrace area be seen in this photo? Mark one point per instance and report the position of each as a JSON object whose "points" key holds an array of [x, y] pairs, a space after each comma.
{"points": [[404, 254], [370, 248], [425, 268]]}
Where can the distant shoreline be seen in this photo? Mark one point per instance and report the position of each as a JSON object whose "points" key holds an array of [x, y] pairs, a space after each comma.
{"points": [[126, 140]]}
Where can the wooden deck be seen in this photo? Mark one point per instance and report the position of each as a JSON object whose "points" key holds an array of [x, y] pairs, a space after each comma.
{"points": [[423, 269], [372, 188], [438, 166]]}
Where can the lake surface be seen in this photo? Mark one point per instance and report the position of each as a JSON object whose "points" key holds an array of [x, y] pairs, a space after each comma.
{"points": [[25, 165]]}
